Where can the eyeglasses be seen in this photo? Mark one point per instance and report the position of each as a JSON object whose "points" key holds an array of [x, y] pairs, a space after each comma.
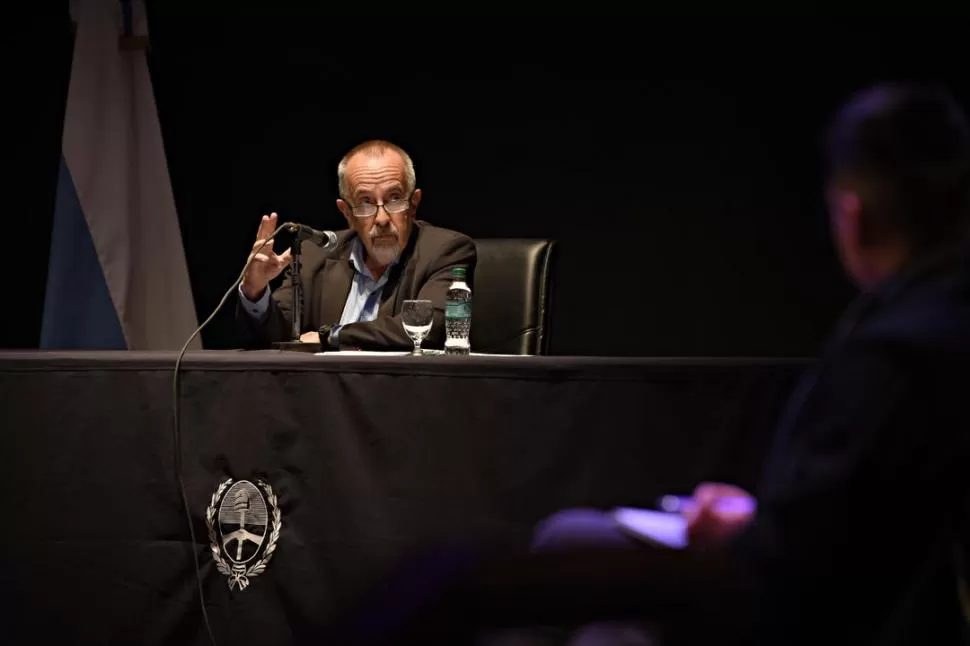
{"points": [[369, 209]]}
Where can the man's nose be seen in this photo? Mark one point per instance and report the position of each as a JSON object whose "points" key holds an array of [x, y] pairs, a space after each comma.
{"points": [[381, 218]]}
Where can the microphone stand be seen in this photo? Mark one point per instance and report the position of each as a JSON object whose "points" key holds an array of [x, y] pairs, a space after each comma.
{"points": [[295, 344], [295, 248]]}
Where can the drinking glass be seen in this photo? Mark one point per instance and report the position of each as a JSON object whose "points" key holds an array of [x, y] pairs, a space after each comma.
{"points": [[417, 315]]}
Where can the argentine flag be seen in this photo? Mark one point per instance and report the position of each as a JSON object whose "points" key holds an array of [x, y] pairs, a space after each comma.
{"points": [[117, 277]]}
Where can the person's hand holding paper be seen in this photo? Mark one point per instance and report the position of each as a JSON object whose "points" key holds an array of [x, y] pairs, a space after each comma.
{"points": [[718, 513]]}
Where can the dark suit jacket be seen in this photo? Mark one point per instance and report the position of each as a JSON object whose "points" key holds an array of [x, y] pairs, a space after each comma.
{"points": [[423, 271], [866, 492]]}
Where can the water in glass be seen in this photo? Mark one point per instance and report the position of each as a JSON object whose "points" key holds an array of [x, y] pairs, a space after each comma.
{"points": [[417, 316]]}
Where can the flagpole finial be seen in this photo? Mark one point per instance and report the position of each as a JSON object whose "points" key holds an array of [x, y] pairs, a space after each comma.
{"points": [[129, 41], [132, 43]]}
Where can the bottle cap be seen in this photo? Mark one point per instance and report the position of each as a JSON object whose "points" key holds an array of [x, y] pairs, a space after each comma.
{"points": [[458, 272]]}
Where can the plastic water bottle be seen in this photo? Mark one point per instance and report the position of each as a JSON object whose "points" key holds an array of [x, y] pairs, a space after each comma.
{"points": [[458, 314]]}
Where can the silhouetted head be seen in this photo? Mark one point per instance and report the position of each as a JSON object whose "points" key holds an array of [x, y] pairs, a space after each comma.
{"points": [[898, 179]]}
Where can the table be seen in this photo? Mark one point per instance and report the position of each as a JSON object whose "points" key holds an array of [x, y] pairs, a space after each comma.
{"points": [[371, 459]]}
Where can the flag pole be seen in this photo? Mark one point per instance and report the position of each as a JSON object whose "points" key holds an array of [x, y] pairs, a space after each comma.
{"points": [[128, 41]]}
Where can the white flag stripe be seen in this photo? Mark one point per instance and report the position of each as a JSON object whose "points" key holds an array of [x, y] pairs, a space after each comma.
{"points": [[113, 146]]}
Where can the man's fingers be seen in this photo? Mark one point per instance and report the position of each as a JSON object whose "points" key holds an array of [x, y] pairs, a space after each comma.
{"points": [[262, 246], [310, 337], [695, 516], [712, 491], [705, 495], [267, 225], [265, 228], [271, 262]]}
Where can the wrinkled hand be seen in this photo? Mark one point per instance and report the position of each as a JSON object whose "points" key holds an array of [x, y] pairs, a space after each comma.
{"points": [[310, 337], [266, 264], [711, 521]]}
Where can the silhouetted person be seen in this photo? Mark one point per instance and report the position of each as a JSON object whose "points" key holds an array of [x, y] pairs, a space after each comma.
{"points": [[860, 532]]}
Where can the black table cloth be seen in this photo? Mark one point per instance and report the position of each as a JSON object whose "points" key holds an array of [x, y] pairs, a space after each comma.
{"points": [[371, 460]]}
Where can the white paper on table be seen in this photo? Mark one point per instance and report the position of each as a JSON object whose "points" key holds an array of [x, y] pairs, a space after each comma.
{"points": [[381, 353], [659, 527], [360, 353], [485, 354]]}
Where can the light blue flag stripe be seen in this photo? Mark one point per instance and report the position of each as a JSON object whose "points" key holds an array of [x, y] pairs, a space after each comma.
{"points": [[78, 311]]}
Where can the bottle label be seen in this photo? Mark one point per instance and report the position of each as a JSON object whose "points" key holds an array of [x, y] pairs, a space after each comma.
{"points": [[455, 310]]}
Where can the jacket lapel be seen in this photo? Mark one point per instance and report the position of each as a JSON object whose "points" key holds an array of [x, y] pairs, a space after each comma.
{"points": [[399, 275], [389, 296], [335, 281]]}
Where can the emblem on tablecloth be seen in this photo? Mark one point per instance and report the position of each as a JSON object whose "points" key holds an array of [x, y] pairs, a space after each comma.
{"points": [[244, 523]]}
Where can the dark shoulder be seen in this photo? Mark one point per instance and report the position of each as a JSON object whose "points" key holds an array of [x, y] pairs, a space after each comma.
{"points": [[431, 238], [930, 317], [437, 248]]}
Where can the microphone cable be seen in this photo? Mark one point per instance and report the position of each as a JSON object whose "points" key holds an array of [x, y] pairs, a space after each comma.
{"points": [[176, 427]]}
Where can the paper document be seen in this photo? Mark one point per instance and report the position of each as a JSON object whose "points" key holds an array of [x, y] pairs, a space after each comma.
{"points": [[658, 527], [381, 353], [360, 353]]}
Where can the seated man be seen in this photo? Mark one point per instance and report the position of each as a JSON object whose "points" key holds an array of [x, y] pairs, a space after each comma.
{"points": [[862, 522], [353, 293]]}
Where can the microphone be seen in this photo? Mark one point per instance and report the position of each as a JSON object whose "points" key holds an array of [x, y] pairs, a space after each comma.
{"points": [[324, 239]]}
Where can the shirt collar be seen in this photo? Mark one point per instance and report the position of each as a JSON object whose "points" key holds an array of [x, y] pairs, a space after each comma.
{"points": [[914, 271], [921, 266], [357, 260]]}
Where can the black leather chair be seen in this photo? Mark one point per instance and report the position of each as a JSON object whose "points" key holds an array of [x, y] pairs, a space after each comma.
{"points": [[512, 295], [963, 587]]}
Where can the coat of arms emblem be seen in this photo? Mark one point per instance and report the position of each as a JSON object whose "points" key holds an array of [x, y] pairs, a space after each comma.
{"points": [[244, 524]]}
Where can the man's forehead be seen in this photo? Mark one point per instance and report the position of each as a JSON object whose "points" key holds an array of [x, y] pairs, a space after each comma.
{"points": [[368, 172], [374, 162]]}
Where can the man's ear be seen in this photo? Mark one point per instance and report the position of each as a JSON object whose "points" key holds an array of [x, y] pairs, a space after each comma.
{"points": [[344, 208], [415, 199], [863, 230], [848, 217]]}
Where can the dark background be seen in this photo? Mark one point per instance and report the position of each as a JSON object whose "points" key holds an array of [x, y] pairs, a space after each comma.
{"points": [[676, 160]]}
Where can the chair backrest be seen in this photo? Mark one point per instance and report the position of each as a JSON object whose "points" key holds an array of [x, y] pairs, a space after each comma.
{"points": [[512, 296], [963, 586]]}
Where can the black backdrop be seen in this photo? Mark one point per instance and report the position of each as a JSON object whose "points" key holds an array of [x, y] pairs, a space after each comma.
{"points": [[675, 160]]}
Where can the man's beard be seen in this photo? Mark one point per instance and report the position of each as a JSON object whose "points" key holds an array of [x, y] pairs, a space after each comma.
{"points": [[386, 250]]}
